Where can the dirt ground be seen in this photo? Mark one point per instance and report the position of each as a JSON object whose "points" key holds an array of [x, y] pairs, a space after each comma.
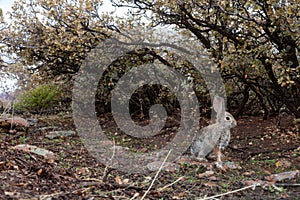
{"points": [[260, 148]]}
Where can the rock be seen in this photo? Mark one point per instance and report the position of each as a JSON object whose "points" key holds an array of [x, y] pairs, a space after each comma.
{"points": [[36, 150], [282, 176], [58, 134], [47, 128], [16, 121], [231, 165], [32, 121], [167, 166]]}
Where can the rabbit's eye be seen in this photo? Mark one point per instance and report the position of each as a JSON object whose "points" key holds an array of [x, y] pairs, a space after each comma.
{"points": [[227, 118]]}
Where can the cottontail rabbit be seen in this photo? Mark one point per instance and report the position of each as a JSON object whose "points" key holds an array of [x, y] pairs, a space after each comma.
{"points": [[215, 137]]}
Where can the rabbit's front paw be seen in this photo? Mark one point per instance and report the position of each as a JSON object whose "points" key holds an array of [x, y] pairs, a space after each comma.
{"points": [[220, 166], [200, 159]]}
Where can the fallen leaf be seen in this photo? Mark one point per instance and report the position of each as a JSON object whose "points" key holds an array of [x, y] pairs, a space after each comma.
{"points": [[284, 195], [50, 161], [248, 173], [181, 194], [83, 171], [118, 180], [39, 172], [206, 174], [13, 195], [283, 163], [125, 181], [143, 150], [267, 172], [214, 178], [210, 184]]}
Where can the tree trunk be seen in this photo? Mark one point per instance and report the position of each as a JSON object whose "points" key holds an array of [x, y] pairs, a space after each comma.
{"points": [[280, 92]]}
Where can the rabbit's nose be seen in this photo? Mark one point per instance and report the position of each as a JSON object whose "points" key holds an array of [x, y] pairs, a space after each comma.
{"points": [[234, 123]]}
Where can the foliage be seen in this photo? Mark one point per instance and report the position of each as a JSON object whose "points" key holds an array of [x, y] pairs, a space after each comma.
{"points": [[255, 43], [147, 95], [40, 98], [1, 37], [55, 36]]}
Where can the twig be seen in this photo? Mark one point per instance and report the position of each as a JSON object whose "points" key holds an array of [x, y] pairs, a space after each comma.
{"points": [[251, 154], [50, 195], [169, 185], [230, 192], [237, 149], [6, 108], [12, 116], [288, 184], [156, 175], [134, 196], [93, 179], [106, 169], [82, 190]]}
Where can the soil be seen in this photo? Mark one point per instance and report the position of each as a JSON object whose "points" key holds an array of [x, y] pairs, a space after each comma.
{"points": [[259, 147]]}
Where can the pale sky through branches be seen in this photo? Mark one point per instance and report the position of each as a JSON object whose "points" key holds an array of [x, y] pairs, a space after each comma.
{"points": [[5, 5], [6, 83]]}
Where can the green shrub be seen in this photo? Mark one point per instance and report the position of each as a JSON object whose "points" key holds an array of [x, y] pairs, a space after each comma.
{"points": [[42, 97]]}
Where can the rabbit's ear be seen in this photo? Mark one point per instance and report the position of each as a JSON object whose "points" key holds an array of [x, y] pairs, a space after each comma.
{"points": [[219, 106]]}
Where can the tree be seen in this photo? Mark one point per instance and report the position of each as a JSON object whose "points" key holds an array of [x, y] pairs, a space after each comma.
{"points": [[54, 36], [255, 43], [1, 28]]}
